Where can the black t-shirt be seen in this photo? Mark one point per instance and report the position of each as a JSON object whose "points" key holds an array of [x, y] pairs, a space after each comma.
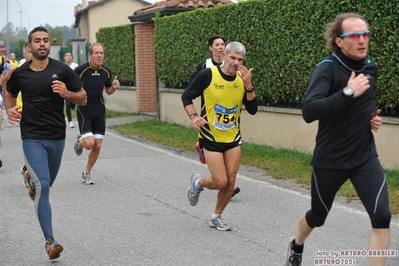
{"points": [[344, 138], [43, 111], [94, 81]]}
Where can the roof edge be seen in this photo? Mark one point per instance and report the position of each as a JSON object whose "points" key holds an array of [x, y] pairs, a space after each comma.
{"points": [[149, 16]]}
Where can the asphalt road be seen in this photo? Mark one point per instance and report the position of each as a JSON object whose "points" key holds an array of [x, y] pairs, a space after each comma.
{"points": [[137, 213]]}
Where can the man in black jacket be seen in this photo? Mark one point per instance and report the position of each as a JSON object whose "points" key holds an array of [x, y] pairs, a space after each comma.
{"points": [[340, 97]]}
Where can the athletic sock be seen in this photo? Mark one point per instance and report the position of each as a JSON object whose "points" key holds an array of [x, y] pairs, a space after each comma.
{"points": [[215, 215], [296, 248], [197, 186]]}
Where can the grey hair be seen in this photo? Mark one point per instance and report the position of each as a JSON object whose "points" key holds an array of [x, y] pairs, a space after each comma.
{"points": [[94, 44], [238, 47]]}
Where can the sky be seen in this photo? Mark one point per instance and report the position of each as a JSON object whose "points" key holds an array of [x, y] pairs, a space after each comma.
{"points": [[40, 12]]}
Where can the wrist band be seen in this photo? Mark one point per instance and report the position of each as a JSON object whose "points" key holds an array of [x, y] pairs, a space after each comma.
{"points": [[192, 115]]}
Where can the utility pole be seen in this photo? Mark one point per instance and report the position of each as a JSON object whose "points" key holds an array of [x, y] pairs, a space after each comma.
{"points": [[20, 10], [8, 33]]}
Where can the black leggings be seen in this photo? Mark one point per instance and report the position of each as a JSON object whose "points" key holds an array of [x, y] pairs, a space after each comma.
{"points": [[369, 181], [68, 107]]}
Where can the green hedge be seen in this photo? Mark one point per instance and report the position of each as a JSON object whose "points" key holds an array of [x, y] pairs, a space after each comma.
{"points": [[284, 41], [119, 52]]}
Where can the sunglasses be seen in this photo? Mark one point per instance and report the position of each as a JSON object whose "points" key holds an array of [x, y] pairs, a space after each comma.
{"points": [[356, 35]]}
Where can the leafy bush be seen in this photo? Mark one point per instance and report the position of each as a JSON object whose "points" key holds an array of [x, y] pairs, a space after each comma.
{"points": [[284, 41], [119, 52]]}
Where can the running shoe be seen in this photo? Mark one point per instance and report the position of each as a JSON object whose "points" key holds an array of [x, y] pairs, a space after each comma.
{"points": [[78, 147], [53, 249], [236, 191], [201, 155], [29, 183], [71, 125], [219, 224], [293, 259], [23, 169], [194, 190], [86, 176], [1, 163]]}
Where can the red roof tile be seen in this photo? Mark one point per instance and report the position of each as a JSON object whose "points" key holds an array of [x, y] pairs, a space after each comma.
{"points": [[182, 4]]}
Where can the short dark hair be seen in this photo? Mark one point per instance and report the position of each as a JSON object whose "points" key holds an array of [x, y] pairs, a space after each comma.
{"points": [[213, 38], [40, 28]]}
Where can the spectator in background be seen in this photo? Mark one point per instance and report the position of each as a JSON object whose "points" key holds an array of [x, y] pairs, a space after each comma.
{"points": [[27, 57], [3, 62], [6, 66], [1, 100], [24, 51], [12, 61], [68, 105]]}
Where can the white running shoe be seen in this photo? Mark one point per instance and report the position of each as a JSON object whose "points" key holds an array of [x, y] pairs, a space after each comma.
{"points": [[219, 224], [77, 147], [71, 125], [86, 176], [193, 192]]}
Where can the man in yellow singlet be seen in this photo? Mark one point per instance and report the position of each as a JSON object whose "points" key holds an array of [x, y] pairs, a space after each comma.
{"points": [[223, 90]]}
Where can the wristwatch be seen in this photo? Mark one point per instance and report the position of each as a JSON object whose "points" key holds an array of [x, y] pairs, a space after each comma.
{"points": [[250, 90], [348, 92]]}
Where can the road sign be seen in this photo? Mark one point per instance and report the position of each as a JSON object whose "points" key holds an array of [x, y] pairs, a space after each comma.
{"points": [[2, 49]]}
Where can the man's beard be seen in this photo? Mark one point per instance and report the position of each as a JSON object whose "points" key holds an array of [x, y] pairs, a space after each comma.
{"points": [[40, 56]]}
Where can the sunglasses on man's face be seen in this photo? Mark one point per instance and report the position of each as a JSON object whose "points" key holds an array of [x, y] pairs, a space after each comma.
{"points": [[356, 35]]}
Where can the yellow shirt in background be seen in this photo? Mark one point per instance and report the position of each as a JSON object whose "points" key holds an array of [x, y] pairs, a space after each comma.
{"points": [[19, 98]]}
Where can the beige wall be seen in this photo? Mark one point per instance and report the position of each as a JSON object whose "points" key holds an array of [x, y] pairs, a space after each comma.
{"points": [[277, 127], [109, 14], [269, 124], [83, 30], [123, 100]]}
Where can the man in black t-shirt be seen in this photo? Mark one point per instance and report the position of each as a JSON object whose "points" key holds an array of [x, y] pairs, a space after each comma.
{"points": [[91, 117], [44, 83]]}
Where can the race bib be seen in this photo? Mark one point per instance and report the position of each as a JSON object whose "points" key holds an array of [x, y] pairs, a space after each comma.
{"points": [[225, 118]]}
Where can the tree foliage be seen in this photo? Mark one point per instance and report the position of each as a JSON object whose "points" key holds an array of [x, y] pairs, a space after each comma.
{"points": [[18, 37]]}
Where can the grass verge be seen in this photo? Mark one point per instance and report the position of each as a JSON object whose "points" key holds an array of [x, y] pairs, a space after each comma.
{"points": [[279, 163], [108, 113]]}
